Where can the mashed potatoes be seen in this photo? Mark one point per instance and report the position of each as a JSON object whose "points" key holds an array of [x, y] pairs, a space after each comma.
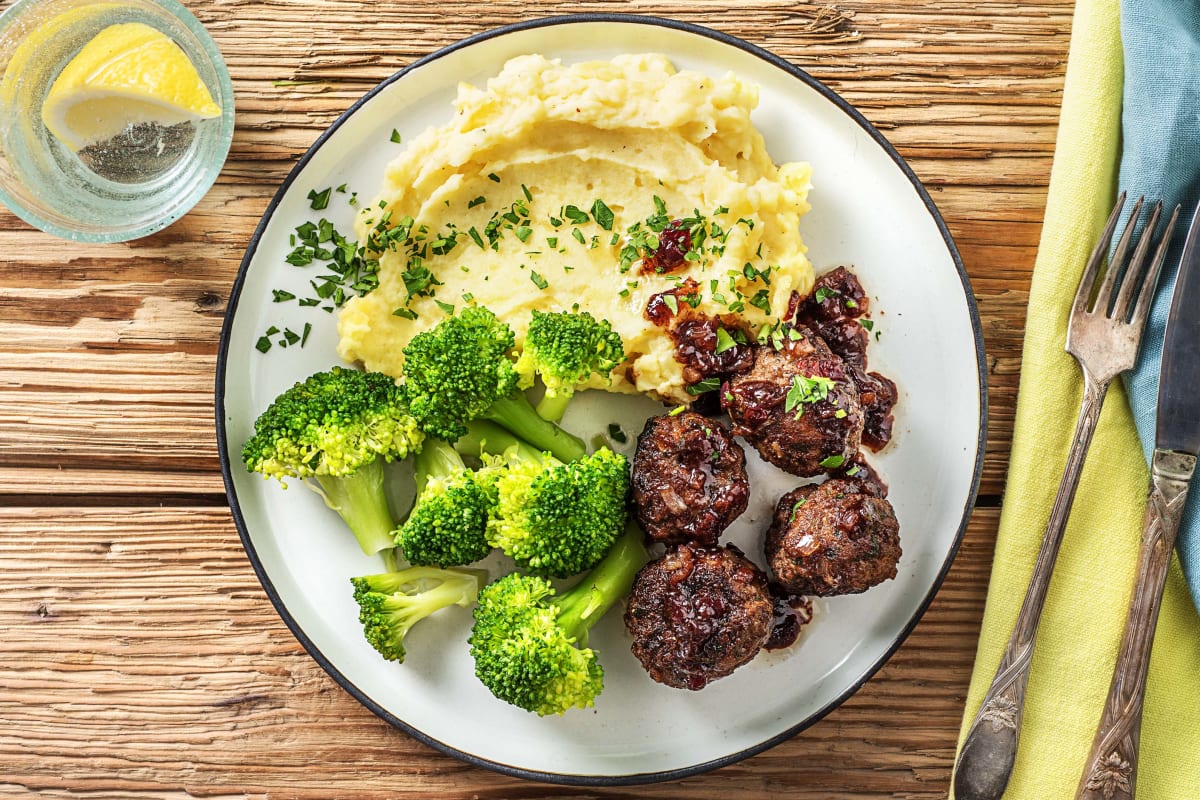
{"points": [[560, 187]]}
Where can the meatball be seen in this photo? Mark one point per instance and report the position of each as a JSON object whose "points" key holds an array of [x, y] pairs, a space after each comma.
{"points": [[796, 404], [838, 537], [689, 479], [698, 613], [834, 312]]}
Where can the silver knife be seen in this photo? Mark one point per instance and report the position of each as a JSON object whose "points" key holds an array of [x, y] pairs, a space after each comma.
{"points": [[1111, 769]]}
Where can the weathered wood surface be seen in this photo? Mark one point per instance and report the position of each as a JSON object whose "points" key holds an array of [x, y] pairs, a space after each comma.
{"points": [[140, 656]]}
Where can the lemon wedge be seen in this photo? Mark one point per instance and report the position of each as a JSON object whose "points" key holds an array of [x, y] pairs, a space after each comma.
{"points": [[127, 74]]}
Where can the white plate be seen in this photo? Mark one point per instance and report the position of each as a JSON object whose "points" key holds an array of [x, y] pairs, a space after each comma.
{"points": [[869, 211]]}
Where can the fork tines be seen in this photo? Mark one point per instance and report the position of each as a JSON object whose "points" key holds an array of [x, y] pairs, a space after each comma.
{"points": [[1132, 282]]}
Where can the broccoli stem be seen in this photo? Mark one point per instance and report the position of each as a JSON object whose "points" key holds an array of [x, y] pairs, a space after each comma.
{"points": [[436, 459], [519, 417], [360, 500], [411, 607], [553, 407], [487, 437], [484, 437], [582, 606]]}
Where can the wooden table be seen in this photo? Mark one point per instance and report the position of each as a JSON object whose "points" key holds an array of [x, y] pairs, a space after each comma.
{"points": [[139, 655]]}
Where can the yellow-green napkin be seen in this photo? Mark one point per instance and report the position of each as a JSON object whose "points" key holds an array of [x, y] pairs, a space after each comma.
{"points": [[1085, 609]]}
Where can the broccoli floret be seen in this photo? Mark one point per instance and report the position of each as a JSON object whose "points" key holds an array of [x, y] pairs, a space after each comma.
{"points": [[530, 645], [338, 428], [557, 519], [448, 523], [390, 603], [462, 370], [566, 348]]}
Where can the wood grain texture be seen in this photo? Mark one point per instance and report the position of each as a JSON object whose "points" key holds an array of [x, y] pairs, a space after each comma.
{"points": [[142, 659]]}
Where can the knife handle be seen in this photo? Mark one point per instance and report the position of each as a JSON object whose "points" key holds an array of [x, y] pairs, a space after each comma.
{"points": [[1111, 769]]}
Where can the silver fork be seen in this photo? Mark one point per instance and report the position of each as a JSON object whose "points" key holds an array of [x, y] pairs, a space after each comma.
{"points": [[1103, 334]]}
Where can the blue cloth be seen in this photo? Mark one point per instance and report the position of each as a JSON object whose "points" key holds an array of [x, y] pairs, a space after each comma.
{"points": [[1161, 159]]}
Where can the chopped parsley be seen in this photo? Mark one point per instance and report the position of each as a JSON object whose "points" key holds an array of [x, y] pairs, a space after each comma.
{"points": [[724, 341], [806, 391], [319, 201], [706, 385], [762, 301], [418, 280], [602, 214]]}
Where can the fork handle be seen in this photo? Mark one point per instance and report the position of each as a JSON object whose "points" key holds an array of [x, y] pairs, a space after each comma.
{"points": [[1111, 769], [989, 750]]}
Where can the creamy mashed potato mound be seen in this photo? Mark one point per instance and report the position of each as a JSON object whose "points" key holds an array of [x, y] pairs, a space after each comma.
{"points": [[543, 192]]}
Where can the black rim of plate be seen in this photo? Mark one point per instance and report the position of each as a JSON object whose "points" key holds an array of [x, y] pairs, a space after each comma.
{"points": [[642, 777]]}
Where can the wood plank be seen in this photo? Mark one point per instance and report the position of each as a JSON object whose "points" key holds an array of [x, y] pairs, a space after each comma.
{"points": [[142, 659]]}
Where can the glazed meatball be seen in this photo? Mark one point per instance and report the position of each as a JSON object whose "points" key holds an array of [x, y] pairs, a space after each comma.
{"points": [[834, 312], [698, 613], [796, 405], [838, 537], [689, 479]]}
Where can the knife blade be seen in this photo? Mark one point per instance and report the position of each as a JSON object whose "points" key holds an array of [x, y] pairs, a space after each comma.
{"points": [[1178, 425], [1110, 772]]}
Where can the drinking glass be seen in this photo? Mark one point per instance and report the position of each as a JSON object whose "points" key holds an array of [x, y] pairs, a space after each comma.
{"points": [[132, 185]]}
